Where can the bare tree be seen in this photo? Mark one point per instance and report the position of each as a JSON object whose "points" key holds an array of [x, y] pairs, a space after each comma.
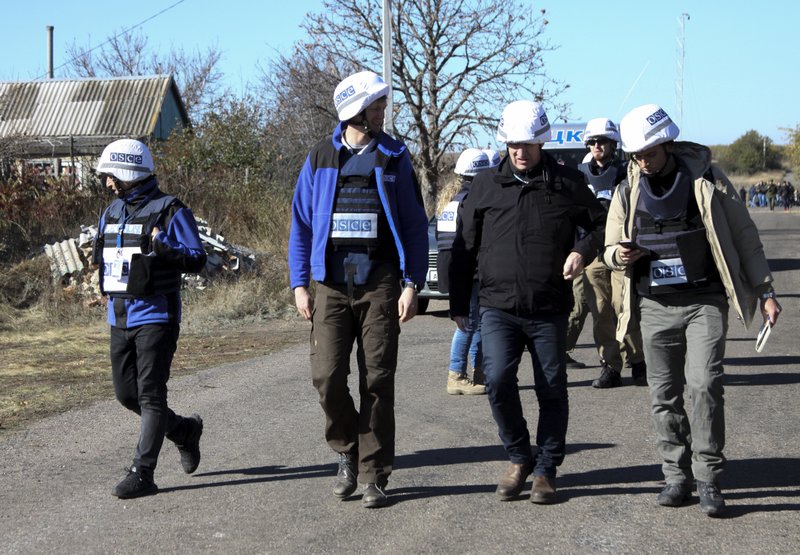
{"points": [[297, 90], [126, 54], [455, 64]]}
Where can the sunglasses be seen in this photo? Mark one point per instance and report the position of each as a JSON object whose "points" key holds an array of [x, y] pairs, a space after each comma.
{"points": [[601, 142]]}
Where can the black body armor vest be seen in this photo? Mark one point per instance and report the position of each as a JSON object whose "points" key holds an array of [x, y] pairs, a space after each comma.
{"points": [[680, 258], [126, 270]]}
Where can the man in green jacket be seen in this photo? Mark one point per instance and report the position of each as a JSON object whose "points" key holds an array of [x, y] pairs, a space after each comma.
{"points": [[687, 245]]}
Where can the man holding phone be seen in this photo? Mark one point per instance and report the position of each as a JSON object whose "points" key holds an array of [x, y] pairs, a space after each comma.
{"points": [[687, 245]]}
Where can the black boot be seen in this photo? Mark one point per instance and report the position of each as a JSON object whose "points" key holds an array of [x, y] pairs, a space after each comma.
{"points": [[346, 477], [608, 378], [190, 448]]}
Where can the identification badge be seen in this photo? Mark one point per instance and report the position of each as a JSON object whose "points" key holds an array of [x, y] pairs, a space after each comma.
{"points": [[667, 272], [116, 267], [354, 226]]}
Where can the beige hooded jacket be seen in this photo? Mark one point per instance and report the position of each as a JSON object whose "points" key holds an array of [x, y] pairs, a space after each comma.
{"points": [[735, 244]]}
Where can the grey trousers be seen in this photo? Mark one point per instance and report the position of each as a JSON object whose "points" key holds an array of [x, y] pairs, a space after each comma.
{"points": [[684, 342]]}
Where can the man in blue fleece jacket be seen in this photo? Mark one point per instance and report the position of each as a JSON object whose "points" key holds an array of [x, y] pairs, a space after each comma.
{"points": [[146, 241], [359, 230]]}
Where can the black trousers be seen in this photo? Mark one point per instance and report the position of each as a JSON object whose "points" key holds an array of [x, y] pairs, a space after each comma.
{"points": [[140, 364]]}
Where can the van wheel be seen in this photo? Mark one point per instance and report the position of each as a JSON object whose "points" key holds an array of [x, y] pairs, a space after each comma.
{"points": [[422, 305]]}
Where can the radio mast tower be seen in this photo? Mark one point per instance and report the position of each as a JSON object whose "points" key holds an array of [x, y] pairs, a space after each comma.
{"points": [[682, 19]]}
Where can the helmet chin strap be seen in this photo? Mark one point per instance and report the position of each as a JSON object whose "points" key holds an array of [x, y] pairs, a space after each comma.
{"points": [[362, 126]]}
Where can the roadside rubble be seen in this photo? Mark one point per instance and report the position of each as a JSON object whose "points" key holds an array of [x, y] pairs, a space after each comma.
{"points": [[70, 261]]}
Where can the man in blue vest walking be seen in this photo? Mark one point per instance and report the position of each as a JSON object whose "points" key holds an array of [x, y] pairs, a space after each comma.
{"points": [[359, 230]]}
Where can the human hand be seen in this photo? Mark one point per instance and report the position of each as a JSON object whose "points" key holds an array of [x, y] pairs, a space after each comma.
{"points": [[407, 304], [462, 322], [628, 254], [770, 309], [573, 265], [304, 302]]}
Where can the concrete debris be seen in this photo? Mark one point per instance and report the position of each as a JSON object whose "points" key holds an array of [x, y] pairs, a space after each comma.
{"points": [[64, 258], [70, 261]]}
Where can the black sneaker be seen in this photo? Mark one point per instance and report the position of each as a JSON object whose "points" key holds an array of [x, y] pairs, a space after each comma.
{"points": [[674, 495], [639, 373], [608, 378], [134, 485], [374, 496], [574, 364], [711, 500], [346, 477], [190, 448]]}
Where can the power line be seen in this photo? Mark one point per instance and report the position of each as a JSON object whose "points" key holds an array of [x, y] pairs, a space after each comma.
{"points": [[121, 33]]}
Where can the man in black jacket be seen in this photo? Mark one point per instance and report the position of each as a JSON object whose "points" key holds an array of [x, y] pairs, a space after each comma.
{"points": [[518, 227]]}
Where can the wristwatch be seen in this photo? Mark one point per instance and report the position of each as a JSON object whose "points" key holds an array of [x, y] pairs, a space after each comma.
{"points": [[412, 285], [768, 295]]}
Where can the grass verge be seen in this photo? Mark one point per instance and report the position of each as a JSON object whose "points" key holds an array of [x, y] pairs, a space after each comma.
{"points": [[48, 371]]}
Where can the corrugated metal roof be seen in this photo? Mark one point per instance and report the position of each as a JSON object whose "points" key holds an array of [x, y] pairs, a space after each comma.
{"points": [[83, 108]]}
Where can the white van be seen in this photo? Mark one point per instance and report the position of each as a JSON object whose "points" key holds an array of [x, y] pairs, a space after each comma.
{"points": [[566, 143]]}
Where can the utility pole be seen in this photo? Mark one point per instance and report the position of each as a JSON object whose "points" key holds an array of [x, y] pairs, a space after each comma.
{"points": [[387, 65], [682, 19]]}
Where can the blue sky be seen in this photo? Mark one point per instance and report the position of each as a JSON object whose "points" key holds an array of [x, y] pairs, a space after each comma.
{"points": [[740, 70]]}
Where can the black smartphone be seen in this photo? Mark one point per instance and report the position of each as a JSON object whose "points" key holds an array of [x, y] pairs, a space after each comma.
{"points": [[628, 244]]}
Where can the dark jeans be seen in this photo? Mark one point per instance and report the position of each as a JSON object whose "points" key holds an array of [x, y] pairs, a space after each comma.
{"points": [[504, 337], [140, 364], [368, 317]]}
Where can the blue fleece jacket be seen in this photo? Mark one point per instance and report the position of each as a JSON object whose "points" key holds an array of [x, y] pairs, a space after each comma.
{"points": [[313, 202]]}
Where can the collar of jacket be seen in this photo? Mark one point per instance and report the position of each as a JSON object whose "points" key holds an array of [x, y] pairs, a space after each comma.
{"points": [[386, 144], [141, 191], [595, 168], [538, 174]]}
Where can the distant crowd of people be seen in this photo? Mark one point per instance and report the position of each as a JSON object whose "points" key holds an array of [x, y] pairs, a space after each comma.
{"points": [[770, 194]]}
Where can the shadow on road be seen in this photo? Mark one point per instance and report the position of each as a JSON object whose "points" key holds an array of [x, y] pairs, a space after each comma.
{"points": [[761, 479], [783, 264], [769, 378]]}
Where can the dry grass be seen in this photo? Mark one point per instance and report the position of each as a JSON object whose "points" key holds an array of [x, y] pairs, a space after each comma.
{"points": [[50, 369], [55, 353]]}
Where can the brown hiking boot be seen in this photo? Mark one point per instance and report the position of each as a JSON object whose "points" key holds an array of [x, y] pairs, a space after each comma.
{"points": [[543, 491], [513, 480]]}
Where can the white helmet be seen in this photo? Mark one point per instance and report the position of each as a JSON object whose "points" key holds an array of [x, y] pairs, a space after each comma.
{"points": [[127, 160], [471, 161], [523, 121], [645, 127], [601, 128], [494, 157], [357, 92]]}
